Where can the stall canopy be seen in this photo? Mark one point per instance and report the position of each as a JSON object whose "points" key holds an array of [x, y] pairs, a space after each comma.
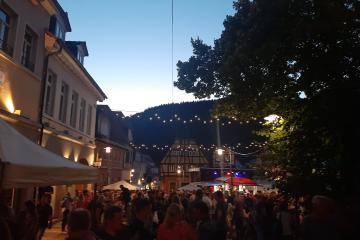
{"points": [[241, 181], [237, 180], [26, 164], [116, 186], [189, 187]]}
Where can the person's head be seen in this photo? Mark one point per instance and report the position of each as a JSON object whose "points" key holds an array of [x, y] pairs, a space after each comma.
{"points": [[79, 220], [201, 211], [113, 219], [199, 194], [30, 206], [86, 192], [219, 196], [175, 199], [45, 199], [174, 214], [142, 209]]}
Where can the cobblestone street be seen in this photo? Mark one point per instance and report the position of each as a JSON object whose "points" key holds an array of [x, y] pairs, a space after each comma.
{"points": [[55, 233]]}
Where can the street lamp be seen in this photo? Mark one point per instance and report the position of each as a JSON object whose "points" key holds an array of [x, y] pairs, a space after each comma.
{"points": [[108, 151], [220, 152], [181, 171], [132, 171]]}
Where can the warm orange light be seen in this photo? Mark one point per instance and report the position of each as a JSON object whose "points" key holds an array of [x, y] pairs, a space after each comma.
{"points": [[17, 112], [9, 104]]}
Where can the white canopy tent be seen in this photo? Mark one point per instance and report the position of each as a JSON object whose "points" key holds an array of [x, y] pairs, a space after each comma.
{"points": [[26, 164], [193, 186], [116, 186], [189, 187]]}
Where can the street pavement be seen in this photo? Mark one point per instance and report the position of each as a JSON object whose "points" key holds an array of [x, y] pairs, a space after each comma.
{"points": [[55, 233]]}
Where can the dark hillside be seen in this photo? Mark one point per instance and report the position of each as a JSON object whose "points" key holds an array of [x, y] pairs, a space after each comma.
{"points": [[156, 128]]}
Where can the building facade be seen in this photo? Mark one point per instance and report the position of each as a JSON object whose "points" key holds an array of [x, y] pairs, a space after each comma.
{"points": [[22, 28], [114, 155], [181, 165], [45, 91]]}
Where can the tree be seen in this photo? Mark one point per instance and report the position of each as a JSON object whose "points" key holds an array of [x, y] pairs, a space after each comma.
{"points": [[300, 60]]}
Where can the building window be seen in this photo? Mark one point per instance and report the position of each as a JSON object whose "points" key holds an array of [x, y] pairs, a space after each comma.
{"points": [[63, 102], [73, 109], [50, 93], [28, 51], [4, 29], [126, 157], [82, 115], [80, 57], [89, 120], [59, 31]]}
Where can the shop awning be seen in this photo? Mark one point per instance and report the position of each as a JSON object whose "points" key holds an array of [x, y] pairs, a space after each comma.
{"points": [[26, 164]]}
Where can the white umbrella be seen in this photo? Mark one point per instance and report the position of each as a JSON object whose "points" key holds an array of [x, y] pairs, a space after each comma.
{"points": [[116, 186], [26, 164]]}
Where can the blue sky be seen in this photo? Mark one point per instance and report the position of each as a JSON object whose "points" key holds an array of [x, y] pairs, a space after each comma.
{"points": [[129, 43]]}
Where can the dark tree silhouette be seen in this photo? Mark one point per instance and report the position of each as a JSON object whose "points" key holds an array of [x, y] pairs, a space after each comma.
{"points": [[300, 60]]}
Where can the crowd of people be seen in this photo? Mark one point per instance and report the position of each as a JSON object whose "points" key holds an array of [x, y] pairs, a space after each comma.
{"points": [[199, 215]]}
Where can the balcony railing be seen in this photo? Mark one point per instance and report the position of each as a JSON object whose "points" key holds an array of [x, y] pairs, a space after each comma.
{"points": [[5, 47]]}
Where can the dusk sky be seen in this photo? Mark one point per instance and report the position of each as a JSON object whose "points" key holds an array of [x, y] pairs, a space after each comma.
{"points": [[129, 43]]}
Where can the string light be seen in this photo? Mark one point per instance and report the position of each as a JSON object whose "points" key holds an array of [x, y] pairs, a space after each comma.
{"points": [[186, 148], [224, 121]]}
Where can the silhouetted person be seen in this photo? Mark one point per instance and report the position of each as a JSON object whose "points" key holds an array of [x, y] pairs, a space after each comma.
{"points": [[140, 225], [125, 196], [45, 213], [79, 225], [113, 224]]}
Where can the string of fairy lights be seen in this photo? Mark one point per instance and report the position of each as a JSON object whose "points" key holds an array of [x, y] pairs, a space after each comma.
{"points": [[190, 148], [176, 118], [196, 119]]}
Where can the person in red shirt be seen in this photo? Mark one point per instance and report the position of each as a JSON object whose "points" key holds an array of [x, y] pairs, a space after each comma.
{"points": [[174, 227]]}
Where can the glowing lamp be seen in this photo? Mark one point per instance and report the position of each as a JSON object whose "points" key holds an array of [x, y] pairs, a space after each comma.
{"points": [[220, 151]]}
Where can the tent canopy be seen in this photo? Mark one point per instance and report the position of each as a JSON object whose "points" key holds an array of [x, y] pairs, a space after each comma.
{"points": [[116, 186], [189, 187], [237, 181], [241, 181], [26, 164]]}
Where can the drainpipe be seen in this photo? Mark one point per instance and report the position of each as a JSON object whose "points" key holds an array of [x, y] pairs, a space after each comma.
{"points": [[42, 93]]}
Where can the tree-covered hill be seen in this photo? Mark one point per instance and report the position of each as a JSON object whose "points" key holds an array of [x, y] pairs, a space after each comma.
{"points": [[156, 129]]}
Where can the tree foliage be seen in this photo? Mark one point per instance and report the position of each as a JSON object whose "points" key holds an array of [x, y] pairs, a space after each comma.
{"points": [[300, 60]]}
